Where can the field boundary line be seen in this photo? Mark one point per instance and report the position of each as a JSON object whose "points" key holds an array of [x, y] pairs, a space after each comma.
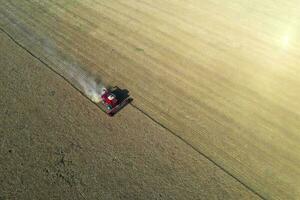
{"points": [[141, 111]]}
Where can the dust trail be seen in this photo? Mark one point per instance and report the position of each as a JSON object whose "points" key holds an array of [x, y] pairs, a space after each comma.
{"points": [[64, 64], [92, 89], [89, 83], [84, 81]]}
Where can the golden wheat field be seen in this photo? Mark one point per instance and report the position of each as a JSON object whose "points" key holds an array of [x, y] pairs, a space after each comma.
{"points": [[218, 83]]}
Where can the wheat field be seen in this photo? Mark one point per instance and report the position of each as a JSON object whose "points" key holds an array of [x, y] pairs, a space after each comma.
{"points": [[223, 76]]}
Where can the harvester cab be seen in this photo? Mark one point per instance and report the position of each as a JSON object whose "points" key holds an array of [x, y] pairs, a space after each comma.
{"points": [[113, 100]]}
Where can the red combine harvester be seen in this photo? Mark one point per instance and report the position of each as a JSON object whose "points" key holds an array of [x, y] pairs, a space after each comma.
{"points": [[113, 100]]}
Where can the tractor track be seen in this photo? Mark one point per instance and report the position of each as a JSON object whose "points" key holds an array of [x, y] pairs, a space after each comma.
{"points": [[140, 110]]}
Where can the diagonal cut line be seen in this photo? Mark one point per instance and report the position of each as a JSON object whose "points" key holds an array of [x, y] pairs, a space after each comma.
{"points": [[197, 150], [144, 113]]}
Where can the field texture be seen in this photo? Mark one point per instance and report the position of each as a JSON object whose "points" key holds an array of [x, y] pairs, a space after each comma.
{"points": [[55, 144], [223, 77]]}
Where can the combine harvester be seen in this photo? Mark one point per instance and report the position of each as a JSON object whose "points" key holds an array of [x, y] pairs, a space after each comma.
{"points": [[113, 100]]}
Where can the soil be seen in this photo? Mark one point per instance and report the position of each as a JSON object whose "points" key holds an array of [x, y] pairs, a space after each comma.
{"points": [[223, 78]]}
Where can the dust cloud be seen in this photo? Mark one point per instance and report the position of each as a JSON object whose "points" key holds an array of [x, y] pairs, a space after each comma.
{"points": [[65, 65]]}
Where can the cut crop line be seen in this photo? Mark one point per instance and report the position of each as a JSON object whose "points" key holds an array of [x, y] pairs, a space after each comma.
{"points": [[43, 62], [140, 110], [197, 150]]}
